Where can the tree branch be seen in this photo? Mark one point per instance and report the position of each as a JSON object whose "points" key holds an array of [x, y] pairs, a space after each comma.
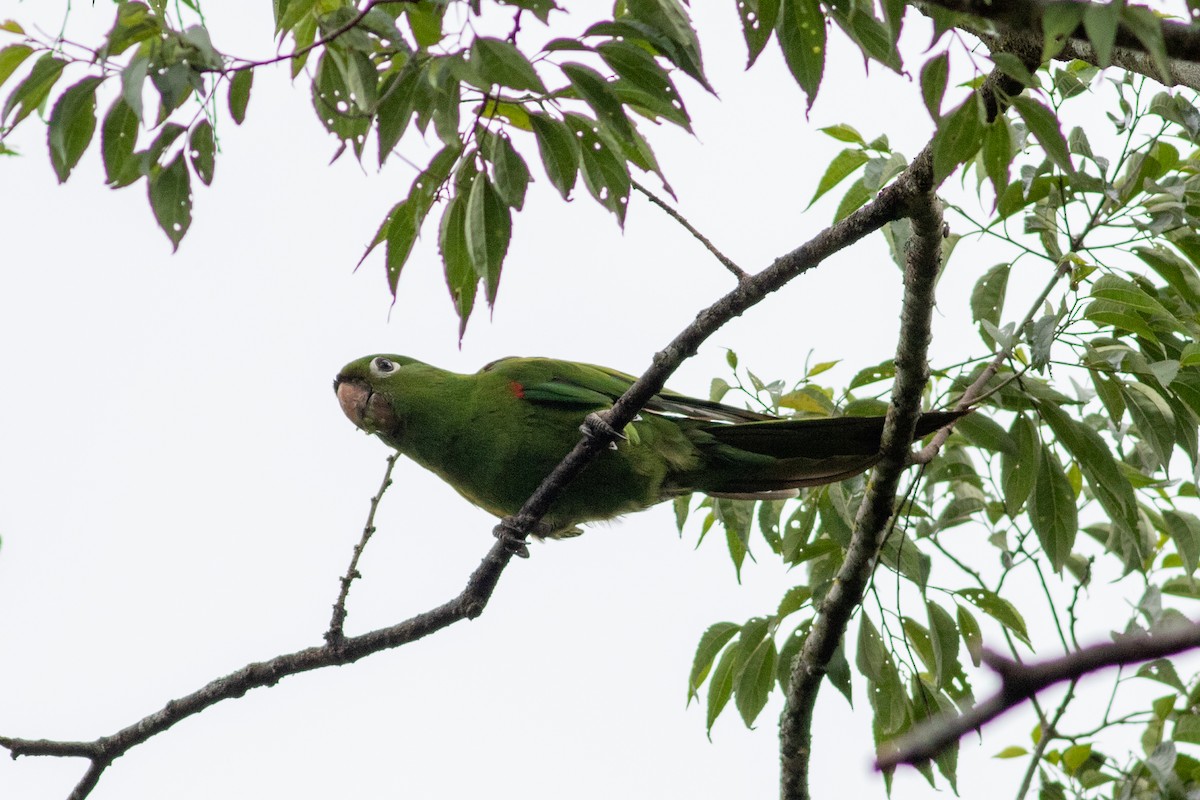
{"points": [[728, 262], [103, 751], [336, 633], [1021, 682], [846, 592], [1021, 20]]}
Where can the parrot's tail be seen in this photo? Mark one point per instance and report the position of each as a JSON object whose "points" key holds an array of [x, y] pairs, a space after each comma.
{"points": [[807, 452]]}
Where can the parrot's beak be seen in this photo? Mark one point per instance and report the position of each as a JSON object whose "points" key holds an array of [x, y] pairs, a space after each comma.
{"points": [[370, 411], [353, 396]]}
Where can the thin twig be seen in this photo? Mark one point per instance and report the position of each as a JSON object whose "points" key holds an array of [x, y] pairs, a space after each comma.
{"points": [[1049, 732], [728, 262], [1021, 682], [324, 40], [335, 633], [975, 390]]}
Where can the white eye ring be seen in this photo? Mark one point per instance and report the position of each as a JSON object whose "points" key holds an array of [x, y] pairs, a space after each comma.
{"points": [[383, 366]]}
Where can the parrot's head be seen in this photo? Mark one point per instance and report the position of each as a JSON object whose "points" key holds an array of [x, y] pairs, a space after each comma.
{"points": [[366, 389]]}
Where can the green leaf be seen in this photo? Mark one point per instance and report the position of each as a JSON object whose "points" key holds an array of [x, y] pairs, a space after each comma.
{"points": [[202, 150], [33, 91], [959, 136], [971, 635], [488, 231], [793, 601], [12, 57], [998, 154], [596, 92], [842, 166], [1052, 510], [1100, 22], [1147, 27], [800, 30], [502, 63], [855, 197], [605, 174], [118, 138], [1184, 529], [509, 170], [239, 94], [986, 433], [1163, 671], [1153, 417], [711, 643], [461, 279], [669, 29], [1019, 469], [395, 107], [643, 82], [1043, 124], [559, 151], [720, 688], [756, 680], [134, 23], [844, 133], [758, 22], [1059, 20], [171, 199], [871, 656], [998, 609], [987, 298], [1012, 751], [934, 75], [133, 79], [943, 635], [334, 105], [1108, 482], [72, 123]]}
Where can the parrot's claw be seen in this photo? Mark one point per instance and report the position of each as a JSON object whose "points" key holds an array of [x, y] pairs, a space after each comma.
{"points": [[509, 532], [596, 424]]}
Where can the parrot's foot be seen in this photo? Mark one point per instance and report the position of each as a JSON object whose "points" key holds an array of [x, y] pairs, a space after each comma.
{"points": [[510, 532], [596, 424]]}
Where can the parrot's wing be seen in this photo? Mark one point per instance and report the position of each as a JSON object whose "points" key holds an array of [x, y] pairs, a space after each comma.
{"points": [[588, 386]]}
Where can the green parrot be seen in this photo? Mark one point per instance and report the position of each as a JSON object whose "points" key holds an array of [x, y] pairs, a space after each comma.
{"points": [[495, 435]]}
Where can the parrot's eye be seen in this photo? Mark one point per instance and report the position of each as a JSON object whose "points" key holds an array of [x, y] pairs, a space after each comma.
{"points": [[383, 366]]}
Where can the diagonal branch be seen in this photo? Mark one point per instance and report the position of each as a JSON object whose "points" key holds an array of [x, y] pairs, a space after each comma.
{"points": [[846, 592], [1021, 682], [728, 262]]}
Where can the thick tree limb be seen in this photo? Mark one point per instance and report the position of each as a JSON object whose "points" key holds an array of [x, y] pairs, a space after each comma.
{"points": [[846, 592], [1020, 682], [1022, 20]]}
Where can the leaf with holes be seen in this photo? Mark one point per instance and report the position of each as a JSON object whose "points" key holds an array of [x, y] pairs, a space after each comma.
{"points": [[559, 152], [800, 30], [170, 192], [758, 22], [202, 150], [118, 137], [998, 609]]}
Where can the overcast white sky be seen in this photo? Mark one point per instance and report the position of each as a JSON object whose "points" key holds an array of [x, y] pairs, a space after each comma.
{"points": [[179, 491]]}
